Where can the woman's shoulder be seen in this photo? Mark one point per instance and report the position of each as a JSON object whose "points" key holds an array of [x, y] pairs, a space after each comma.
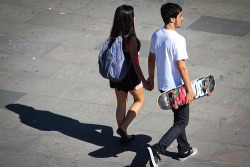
{"points": [[132, 38]]}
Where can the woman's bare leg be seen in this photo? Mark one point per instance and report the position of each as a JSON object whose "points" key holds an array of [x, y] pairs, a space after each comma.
{"points": [[139, 98], [121, 106]]}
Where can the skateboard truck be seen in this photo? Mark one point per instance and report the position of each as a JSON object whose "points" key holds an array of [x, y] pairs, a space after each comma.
{"points": [[206, 86]]}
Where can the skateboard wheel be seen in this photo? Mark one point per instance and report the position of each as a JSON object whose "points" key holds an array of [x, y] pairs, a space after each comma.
{"points": [[209, 94]]}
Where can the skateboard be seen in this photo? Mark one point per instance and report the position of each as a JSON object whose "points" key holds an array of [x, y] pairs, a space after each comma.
{"points": [[177, 96]]}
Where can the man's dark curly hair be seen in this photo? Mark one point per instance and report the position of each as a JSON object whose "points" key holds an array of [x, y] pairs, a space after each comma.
{"points": [[169, 10]]}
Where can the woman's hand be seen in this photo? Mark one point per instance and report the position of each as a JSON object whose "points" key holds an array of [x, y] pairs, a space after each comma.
{"points": [[147, 86]]}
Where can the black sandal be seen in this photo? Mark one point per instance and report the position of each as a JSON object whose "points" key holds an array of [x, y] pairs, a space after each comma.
{"points": [[123, 135], [131, 138]]}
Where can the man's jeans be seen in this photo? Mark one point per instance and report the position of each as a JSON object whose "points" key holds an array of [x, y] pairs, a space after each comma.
{"points": [[177, 131]]}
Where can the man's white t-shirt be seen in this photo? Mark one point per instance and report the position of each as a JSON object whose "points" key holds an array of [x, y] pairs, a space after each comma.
{"points": [[168, 47]]}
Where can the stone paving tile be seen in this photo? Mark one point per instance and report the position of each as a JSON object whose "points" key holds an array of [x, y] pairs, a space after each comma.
{"points": [[73, 55], [7, 97], [5, 76], [36, 85], [227, 43], [56, 5], [69, 21], [51, 35], [16, 13], [221, 26], [244, 15], [219, 8]]}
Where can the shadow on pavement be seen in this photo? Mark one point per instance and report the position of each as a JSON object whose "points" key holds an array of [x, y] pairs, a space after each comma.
{"points": [[100, 135]]}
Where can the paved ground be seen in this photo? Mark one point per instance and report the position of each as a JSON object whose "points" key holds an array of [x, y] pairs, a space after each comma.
{"points": [[56, 110]]}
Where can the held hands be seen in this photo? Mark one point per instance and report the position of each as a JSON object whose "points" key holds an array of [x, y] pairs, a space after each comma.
{"points": [[147, 86], [151, 82]]}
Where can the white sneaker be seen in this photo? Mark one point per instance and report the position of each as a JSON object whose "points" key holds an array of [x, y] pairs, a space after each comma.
{"points": [[190, 153], [154, 156]]}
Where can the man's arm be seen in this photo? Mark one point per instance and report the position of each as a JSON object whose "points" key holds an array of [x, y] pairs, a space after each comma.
{"points": [[181, 64], [151, 68]]}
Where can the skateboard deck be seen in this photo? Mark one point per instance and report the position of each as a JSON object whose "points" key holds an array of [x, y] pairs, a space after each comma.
{"points": [[177, 96]]}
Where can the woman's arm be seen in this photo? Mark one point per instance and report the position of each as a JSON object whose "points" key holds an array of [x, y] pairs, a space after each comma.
{"points": [[132, 48]]}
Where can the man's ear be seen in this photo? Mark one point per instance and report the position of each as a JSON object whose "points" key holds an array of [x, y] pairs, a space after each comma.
{"points": [[172, 20]]}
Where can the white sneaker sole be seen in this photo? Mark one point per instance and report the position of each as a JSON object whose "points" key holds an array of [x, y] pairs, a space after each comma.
{"points": [[194, 152], [152, 159]]}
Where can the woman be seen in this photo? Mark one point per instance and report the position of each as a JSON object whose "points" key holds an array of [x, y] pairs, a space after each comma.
{"points": [[123, 25]]}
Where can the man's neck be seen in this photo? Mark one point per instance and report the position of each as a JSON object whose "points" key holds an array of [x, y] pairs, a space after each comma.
{"points": [[170, 26]]}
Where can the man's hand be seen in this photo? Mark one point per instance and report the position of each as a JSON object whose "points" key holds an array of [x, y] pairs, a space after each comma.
{"points": [[147, 86], [151, 69], [190, 97], [151, 82]]}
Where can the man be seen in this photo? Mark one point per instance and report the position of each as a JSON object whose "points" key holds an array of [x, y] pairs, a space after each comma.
{"points": [[168, 50]]}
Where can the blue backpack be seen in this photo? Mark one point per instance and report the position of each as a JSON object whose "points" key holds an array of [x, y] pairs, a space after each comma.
{"points": [[112, 62]]}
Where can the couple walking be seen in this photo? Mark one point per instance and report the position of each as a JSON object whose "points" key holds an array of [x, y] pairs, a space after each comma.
{"points": [[168, 52]]}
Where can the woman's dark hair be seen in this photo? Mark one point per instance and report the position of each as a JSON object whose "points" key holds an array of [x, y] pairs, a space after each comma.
{"points": [[123, 23], [169, 10]]}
